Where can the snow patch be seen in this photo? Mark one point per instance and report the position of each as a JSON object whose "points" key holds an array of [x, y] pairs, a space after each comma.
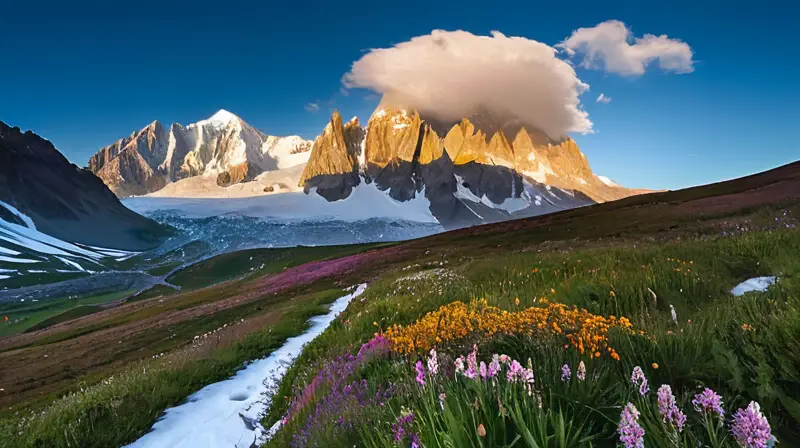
{"points": [[229, 411], [3, 250], [541, 173], [754, 284], [23, 217], [71, 263], [17, 260], [510, 205], [607, 181]]}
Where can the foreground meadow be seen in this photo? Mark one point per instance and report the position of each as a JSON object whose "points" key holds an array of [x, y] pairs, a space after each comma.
{"points": [[608, 346], [606, 325]]}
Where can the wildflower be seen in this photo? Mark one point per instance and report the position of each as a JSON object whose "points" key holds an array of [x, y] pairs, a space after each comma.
{"points": [[638, 379], [581, 375], [459, 364], [654, 365], [552, 291], [504, 359], [415, 441], [472, 363], [566, 373], [442, 396], [667, 408], [673, 313], [433, 363], [516, 301], [708, 401], [481, 431], [514, 371], [420, 373], [750, 428], [747, 327], [482, 370], [494, 366], [612, 294], [401, 424], [631, 434]]}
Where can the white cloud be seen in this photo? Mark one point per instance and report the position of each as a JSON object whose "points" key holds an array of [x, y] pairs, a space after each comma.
{"points": [[311, 107], [612, 44], [603, 99], [447, 75]]}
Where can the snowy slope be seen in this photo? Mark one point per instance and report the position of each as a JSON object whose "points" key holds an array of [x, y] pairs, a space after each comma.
{"points": [[366, 202], [274, 182], [24, 249]]}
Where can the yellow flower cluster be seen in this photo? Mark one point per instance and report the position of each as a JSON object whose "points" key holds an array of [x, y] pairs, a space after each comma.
{"points": [[586, 332]]}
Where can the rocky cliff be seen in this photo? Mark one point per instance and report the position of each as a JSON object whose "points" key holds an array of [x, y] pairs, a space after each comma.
{"points": [[223, 147], [67, 202], [470, 171]]}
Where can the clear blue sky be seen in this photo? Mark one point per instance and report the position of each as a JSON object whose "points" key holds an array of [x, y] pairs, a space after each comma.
{"points": [[86, 74]]}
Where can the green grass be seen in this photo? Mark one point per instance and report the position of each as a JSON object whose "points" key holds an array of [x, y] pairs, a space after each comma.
{"points": [[257, 262], [713, 350], [30, 315], [74, 313], [119, 409], [22, 281]]}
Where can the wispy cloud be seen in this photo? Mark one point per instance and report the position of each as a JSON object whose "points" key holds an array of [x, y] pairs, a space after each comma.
{"points": [[611, 46], [603, 99], [312, 107]]}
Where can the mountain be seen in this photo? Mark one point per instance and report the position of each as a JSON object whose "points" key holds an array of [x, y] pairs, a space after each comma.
{"points": [[477, 170], [223, 147], [43, 193]]}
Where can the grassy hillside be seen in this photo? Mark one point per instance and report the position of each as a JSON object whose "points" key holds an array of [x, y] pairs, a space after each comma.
{"points": [[538, 288]]}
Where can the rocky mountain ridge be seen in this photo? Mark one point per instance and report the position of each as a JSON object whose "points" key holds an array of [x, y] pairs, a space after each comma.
{"points": [[64, 201], [469, 175], [223, 146]]}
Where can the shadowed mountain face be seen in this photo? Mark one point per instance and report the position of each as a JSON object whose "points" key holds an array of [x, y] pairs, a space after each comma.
{"points": [[469, 173], [65, 201]]}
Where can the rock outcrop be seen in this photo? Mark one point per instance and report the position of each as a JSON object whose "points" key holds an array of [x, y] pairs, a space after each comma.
{"points": [[223, 147], [70, 203], [332, 170]]}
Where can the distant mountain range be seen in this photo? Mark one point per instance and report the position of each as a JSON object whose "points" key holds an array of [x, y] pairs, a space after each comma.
{"points": [[477, 170], [223, 147]]}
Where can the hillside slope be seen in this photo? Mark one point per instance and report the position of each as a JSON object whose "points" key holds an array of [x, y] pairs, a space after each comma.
{"points": [[65, 201]]}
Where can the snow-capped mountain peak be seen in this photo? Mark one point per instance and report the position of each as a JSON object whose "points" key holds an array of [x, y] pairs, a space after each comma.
{"points": [[220, 119], [223, 147]]}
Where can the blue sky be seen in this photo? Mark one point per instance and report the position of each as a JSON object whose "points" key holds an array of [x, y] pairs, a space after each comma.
{"points": [[87, 74]]}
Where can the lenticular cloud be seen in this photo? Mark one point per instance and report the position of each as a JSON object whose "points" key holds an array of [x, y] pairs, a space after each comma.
{"points": [[449, 74]]}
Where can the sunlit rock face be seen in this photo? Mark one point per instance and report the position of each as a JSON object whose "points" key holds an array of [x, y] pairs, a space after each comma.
{"points": [[483, 168]]}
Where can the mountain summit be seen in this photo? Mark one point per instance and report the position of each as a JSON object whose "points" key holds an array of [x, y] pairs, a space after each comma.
{"points": [[222, 146]]}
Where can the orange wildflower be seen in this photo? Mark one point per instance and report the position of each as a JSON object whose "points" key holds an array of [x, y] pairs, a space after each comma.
{"points": [[455, 321]]}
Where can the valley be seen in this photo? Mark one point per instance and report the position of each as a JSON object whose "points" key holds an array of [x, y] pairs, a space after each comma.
{"points": [[225, 314]]}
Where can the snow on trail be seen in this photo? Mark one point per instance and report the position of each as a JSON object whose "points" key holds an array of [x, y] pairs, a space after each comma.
{"points": [[227, 413], [754, 284]]}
